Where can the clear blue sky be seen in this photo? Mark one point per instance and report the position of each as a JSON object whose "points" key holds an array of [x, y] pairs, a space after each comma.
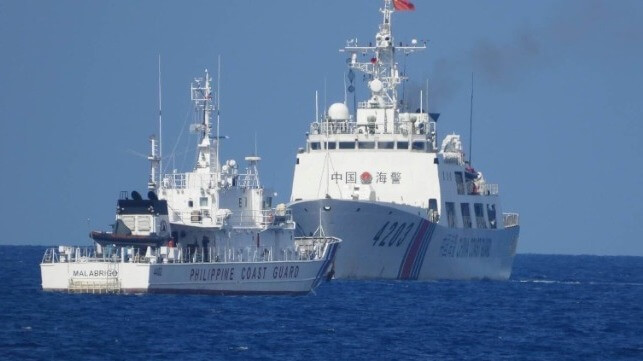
{"points": [[558, 108]]}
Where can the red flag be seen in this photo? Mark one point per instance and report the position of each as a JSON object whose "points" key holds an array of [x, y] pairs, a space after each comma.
{"points": [[403, 5]]}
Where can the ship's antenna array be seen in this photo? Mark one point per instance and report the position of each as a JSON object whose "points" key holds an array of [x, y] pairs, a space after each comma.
{"points": [[218, 107], [160, 127], [381, 68], [471, 123]]}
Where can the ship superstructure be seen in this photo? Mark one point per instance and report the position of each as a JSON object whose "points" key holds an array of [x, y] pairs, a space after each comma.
{"points": [[405, 205], [217, 202]]}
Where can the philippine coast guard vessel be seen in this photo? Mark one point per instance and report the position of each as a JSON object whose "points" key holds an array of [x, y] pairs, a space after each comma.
{"points": [[211, 230], [138, 256], [405, 206]]}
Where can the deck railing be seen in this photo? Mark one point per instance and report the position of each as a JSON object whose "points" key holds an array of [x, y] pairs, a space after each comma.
{"points": [[309, 248]]}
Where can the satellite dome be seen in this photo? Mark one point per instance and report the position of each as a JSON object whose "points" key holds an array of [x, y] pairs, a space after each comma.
{"points": [[376, 85], [338, 111]]}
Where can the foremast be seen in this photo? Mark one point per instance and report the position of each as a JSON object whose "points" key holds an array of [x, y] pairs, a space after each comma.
{"points": [[381, 67], [201, 95]]}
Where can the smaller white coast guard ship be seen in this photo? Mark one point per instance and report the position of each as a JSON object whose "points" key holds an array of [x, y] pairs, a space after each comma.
{"points": [[139, 256], [211, 230]]}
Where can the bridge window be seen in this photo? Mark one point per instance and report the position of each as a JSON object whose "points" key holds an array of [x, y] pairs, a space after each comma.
{"points": [[385, 145], [346, 145], [418, 145], [450, 208], [402, 145], [203, 201], [331, 145], [459, 180], [479, 211], [315, 146], [466, 215], [366, 145]]}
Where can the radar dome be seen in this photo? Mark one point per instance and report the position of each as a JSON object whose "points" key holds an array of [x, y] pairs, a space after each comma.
{"points": [[376, 85], [338, 111]]}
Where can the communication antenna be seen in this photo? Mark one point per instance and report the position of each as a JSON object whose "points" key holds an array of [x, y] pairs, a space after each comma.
{"points": [[316, 105], [160, 127], [218, 106], [471, 122]]}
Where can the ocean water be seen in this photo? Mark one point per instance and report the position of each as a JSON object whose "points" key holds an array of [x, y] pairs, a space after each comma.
{"points": [[553, 308]]}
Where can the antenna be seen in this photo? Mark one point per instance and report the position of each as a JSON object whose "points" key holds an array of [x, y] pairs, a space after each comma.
{"points": [[345, 91], [316, 105], [427, 98], [160, 127], [325, 105], [218, 106], [471, 122]]}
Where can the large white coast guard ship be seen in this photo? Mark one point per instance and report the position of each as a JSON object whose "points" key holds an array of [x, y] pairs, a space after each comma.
{"points": [[405, 205]]}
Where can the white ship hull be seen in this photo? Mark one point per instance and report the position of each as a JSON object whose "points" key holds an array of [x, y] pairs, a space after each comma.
{"points": [[219, 278], [384, 241]]}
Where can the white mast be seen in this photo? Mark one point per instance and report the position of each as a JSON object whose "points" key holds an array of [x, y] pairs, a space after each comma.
{"points": [[381, 67], [160, 155], [154, 165], [202, 98], [218, 108]]}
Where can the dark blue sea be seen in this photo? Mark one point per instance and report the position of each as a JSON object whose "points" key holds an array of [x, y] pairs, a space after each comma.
{"points": [[553, 308]]}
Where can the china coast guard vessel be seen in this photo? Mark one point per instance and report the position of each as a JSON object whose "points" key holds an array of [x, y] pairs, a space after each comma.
{"points": [[211, 230], [406, 206]]}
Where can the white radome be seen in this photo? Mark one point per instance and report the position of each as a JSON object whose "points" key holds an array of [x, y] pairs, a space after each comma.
{"points": [[338, 111], [376, 85]]}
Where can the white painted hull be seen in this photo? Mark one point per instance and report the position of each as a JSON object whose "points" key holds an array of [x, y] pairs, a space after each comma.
{"points": [[222, 278], [421, 250]]}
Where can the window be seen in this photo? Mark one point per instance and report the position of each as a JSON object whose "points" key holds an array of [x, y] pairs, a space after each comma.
{"points": [[386, 145], [459, 182], [402, 145], [315, 146], [466, 215], [450, 207], [418, 145], [331, 145], [366, 145], [240, 202], [346, 145], [433, 210], [203, 201], [190, 204], [479, 211], [143, 223], [491, 213], [129, 222]]}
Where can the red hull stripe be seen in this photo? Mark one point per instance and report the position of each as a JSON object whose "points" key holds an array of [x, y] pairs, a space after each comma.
{"points": [[412, 251]]}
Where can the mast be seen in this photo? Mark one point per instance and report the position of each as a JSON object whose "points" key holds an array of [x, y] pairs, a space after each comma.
{"points": [[218, 108], [201, 92], [160, 155], [155, 165], [471, 123], [381, 67]]}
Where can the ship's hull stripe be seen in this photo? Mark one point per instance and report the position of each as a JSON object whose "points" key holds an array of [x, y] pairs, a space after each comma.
{"points": [[423, 251], [413, 249]]}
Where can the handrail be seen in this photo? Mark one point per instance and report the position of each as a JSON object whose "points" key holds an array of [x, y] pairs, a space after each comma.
{"points": [[306, 249]]}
